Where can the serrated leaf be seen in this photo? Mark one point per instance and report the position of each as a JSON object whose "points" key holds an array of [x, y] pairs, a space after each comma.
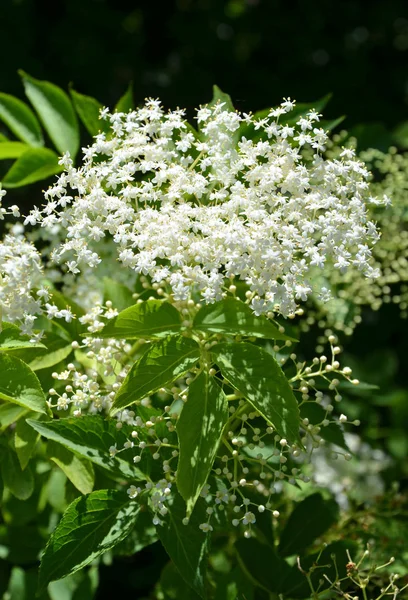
{"points": [[20, 385], [11, 339], [21, 120], [25, 440], [88, 110], [233, 317], [152, 318], [34, 165], [78, 469], [92, 436], [186, 545], [309, 520], [19, 482], [12, 149], [257, 375], [199, 430], [125, 103], [90, 526], [163, 362], [56, 113]]}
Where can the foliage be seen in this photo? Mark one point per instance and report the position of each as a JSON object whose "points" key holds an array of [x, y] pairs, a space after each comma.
{"points": [[158, 415]]}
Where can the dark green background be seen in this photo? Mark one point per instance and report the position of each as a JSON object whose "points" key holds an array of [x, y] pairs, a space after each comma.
{"points": [[257, 50]]}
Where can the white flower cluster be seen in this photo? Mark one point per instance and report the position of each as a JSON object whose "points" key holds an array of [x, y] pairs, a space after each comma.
{"points": [[20, 273], [192, 210]]}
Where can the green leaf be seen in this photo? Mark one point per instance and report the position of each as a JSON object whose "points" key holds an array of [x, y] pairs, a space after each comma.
{"points": [[79, 470], [20, 385], [257, 375], [163, 362], [186, 544], [329, 125], [332, 433], [120, 295], [88, 109], [81, 585], [400, 135], [11, 339], [233, 317], [19, 482], [173, 586], [152, 318], [92, 436], [25, 440], [10, 413], [56, 112], [220, 97], [143, 534], [199, 430], [309, 520], [12, 149], [261, 563], [125, 103], [303, 108], [57, 350], [34, 165], [17, 584], [74, 327], [90, 526], [21, 120]]}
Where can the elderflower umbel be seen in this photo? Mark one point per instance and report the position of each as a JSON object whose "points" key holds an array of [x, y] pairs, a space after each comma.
{"points": [[189, 210]]}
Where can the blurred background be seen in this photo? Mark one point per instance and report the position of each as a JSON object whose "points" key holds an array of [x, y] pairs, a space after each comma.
{"points": [[257, 50]]}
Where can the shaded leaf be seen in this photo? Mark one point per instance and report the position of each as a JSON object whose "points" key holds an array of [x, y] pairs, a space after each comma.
{"points": [[143, 534], [78, 469], [19, 482], [56, 113], [163, 362], [186, 544], [234, 317], [309, 520], [199, 430], [332, 433], [10, 413], [21, 120], [25, 440], [34, 165], [257, 375], [261, 563], [90, 526]]}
